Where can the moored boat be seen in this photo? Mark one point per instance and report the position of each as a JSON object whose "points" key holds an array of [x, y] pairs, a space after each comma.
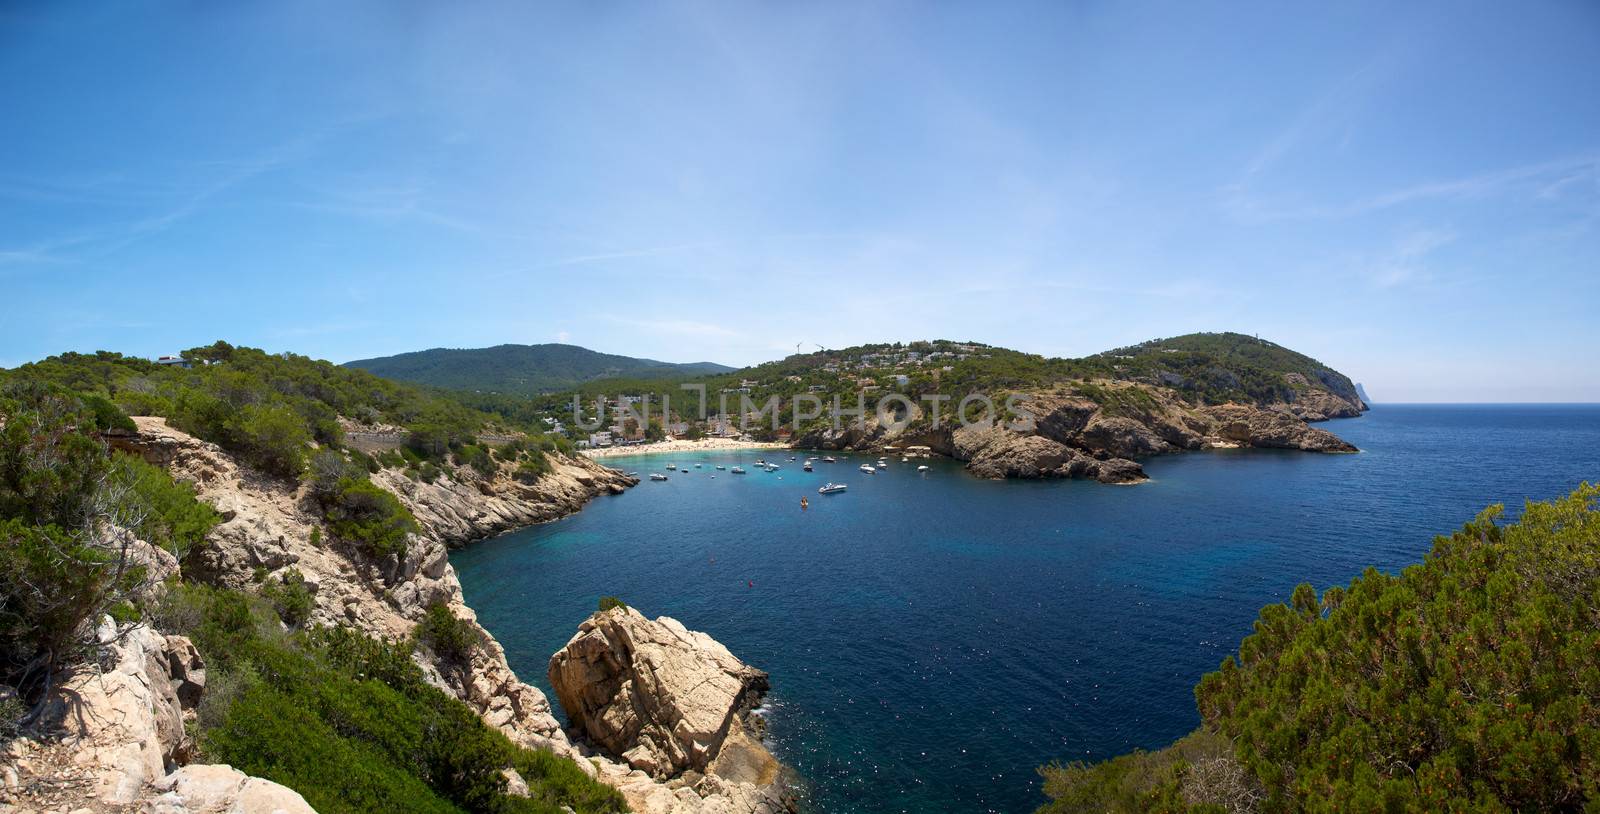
{"points": [[868, 468], [657, 476], [831, 488]]}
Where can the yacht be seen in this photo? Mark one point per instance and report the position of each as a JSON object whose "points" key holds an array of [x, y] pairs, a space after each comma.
{"points": [[868, 468], [829, 459], [806, 466], [830, 487], [721, 467], [671, 467], [772, 467], [922, 468], [697, 466], [657, 476], [738, 470]]}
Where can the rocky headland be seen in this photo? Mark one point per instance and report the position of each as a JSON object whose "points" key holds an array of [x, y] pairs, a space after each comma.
{"points": [[119, 740], [1063, 434]]}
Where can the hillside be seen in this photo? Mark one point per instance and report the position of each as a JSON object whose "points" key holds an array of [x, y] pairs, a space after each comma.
{"points": [[522, 369]]}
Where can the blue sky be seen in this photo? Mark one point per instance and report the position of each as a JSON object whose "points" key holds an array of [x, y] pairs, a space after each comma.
{"points": [[1409, 192]]}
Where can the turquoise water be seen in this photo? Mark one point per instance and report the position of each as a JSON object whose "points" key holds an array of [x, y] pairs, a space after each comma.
{"points": [[932, 638]]}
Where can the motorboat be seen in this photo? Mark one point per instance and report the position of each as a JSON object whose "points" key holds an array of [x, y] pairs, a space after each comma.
{"points": [[721, 467], [738, 470], [830, 488], [868, 468], [829, 459], [657, 476], [671, 467], [806, 466], [922, 468]]}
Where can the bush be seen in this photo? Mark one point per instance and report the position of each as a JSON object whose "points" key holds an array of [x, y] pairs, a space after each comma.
{"points": [[1469, 682], [172, 517], [290, 598], [359, 511], [476, 457], [536, 466], [351, 723], [271, 437], [450, 637], [609, 602]]}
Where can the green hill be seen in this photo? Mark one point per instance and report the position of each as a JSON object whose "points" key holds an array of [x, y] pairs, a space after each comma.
{"points": [[522, 369], [1223, 365]]}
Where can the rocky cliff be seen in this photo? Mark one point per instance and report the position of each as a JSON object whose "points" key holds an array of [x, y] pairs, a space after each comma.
{"points": [[128, 737], [1063, 434]]}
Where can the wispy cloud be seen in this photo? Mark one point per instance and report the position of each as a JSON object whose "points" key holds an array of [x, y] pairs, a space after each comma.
{"points": [[1405, 261], [1541, 179]]}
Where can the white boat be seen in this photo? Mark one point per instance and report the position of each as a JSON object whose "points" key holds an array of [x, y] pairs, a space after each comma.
{"points": [[738, 470], [720, 467], [773, 467], [830, 487], [657, 476], [633, 474], [868, 468], [829, 459], [903, 459], [806, 466], [697, 466], [671, 467], [922, 468]]}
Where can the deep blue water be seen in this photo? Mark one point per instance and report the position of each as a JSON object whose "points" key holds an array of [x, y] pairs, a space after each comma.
{"points": [[933, 638]]}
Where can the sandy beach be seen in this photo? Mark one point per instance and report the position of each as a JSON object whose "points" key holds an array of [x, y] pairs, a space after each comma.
{"points": [[703, 445]]}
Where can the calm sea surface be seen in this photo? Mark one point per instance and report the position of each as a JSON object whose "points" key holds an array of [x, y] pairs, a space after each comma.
{"points": [[932, 638]]}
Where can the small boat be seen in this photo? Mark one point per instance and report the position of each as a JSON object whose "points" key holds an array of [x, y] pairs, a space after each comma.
{"points": [[806, 466], [830, 488], [922, 468], [697, 466], [903, 459], [633, 474], [773, 467], [761, 462], [671, 467], [829, 459], [721, 467], [738, 470], [791, 457], [868, 468], [657, 476]]}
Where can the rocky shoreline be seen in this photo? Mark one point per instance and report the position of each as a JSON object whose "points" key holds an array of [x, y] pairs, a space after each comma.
{"points": [[1074, 437], [120, 749]]}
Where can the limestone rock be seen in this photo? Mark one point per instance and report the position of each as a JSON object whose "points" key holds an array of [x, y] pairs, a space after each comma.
{"points": [[662, 697], [222, 789]]}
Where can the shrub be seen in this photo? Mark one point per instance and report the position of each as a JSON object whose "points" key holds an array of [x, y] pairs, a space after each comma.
{"points": [[450, 637], [351, 723], [290, 597], [271, 437], [171, 516], [1469, 682], [476, 457], [359, 511], [609, 602], [536, 466]]}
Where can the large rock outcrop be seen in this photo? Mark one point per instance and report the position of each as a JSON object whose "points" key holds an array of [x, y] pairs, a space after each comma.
{"points": [[672, 703], [1063, 434]]}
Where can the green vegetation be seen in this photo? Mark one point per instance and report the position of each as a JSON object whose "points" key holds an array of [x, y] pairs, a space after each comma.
{"points": [[266, 408], [450, 637], [609, 602], [69, 514], [1470, 682], [359, 511], [350, 722], [521, 370], [1220, 367]]}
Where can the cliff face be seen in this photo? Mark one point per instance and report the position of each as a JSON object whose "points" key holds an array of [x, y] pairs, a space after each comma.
{"points": [[1075, 437], [268, 526]]}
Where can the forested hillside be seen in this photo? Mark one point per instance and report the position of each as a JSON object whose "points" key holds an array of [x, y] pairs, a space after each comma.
{"points": [[522, 370]]}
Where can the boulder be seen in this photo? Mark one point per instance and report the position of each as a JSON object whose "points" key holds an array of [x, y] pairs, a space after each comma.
{"points": [[662, 697], [221, 789]]}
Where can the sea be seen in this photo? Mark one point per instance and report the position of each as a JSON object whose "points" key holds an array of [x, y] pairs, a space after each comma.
{"points": [[933, 638]]}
